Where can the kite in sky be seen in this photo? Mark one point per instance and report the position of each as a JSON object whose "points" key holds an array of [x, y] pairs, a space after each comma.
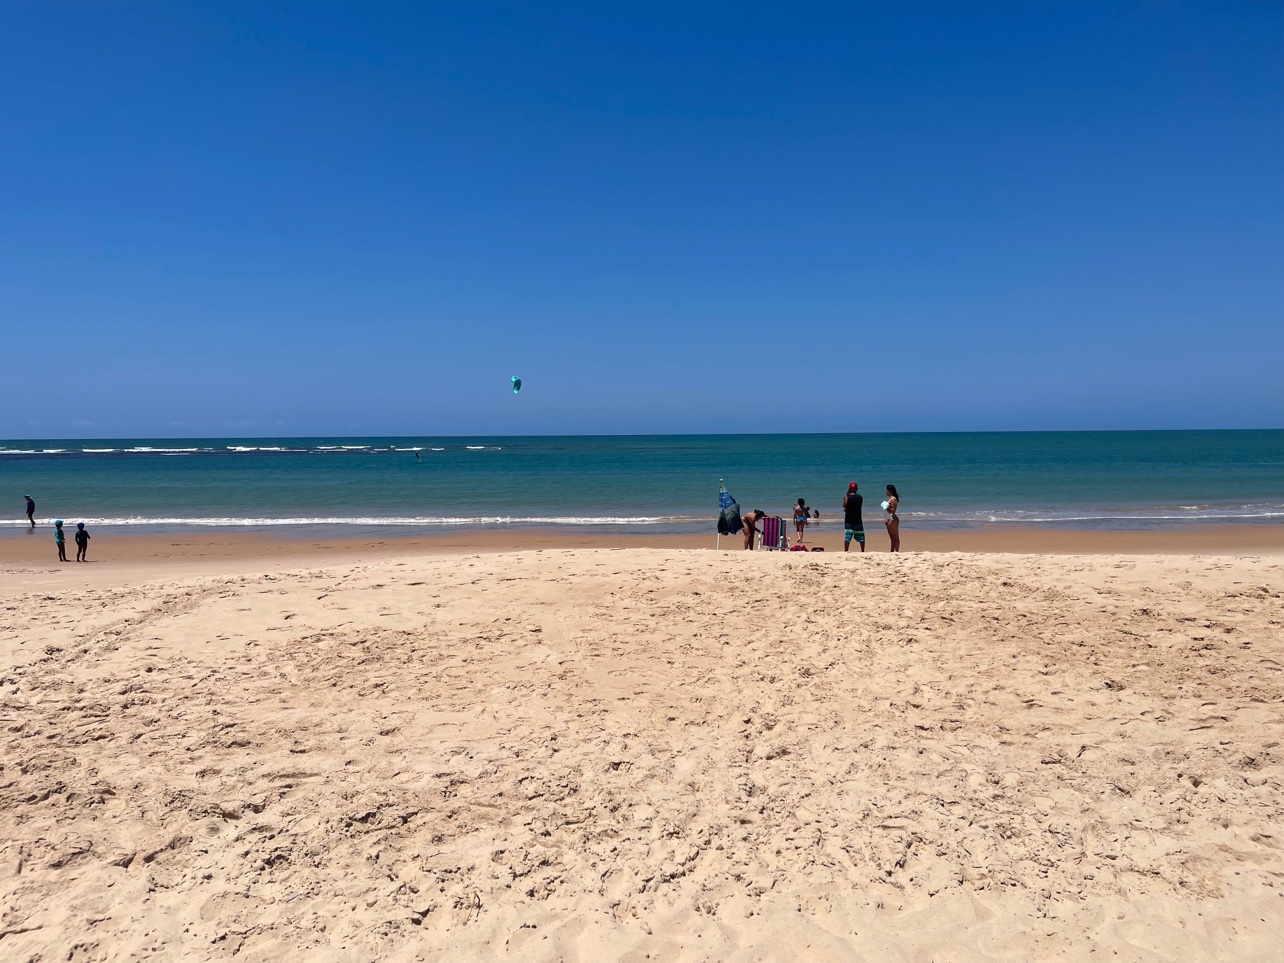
{"points": [[517, 384]]}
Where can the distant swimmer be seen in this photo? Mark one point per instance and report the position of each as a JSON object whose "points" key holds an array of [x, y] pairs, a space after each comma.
{"points": [[82, 543], [417, 458], [60, 539], [31, 510]]}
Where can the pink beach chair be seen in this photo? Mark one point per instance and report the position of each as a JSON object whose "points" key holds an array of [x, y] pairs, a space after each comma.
{"points": [[773, 536]]}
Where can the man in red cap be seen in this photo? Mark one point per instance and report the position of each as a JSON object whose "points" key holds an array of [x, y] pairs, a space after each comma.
{"points": [[853, 524]]}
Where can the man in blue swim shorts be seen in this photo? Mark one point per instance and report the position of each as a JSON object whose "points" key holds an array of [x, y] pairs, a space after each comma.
{"points": [[853, 524]]}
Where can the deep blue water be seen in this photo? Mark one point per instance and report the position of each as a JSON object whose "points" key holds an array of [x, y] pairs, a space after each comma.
{"points": [[1112, 479]]}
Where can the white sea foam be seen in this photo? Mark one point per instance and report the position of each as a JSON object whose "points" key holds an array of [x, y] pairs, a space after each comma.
{"points": [[927, 519], [1035, 516], [410, 521]]}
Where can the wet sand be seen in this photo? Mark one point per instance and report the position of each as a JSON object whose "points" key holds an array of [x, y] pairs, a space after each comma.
{"points": [[20, 548]]}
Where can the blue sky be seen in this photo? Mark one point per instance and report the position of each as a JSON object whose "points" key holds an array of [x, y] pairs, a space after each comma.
{"points": [[353, 218]]}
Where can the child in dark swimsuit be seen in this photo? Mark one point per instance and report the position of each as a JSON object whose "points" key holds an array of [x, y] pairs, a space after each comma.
{"points": [[82, 543]]}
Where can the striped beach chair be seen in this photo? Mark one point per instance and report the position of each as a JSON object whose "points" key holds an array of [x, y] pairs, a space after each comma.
{"points": [[773, 536]]}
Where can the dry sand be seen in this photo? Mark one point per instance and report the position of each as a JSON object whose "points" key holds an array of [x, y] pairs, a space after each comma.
{"points": [[645, 755]]}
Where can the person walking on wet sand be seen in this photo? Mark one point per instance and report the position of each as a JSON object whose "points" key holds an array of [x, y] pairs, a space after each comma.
{"points": [[60, 539], [31, 510], [853, 523], [802, 515], [82, 542]]}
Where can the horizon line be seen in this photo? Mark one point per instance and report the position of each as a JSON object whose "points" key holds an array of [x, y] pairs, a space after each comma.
{"points": [[691, 434]]}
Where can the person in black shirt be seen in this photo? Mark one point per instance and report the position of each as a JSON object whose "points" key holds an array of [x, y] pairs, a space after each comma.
{"points": [[82, 542], [853, 524], [31, 510]]}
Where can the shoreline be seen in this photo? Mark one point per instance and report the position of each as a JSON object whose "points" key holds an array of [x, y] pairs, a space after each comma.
{"points": [[24, 548]]}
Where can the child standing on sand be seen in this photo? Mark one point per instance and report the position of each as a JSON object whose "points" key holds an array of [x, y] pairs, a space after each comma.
{"points": [[82, 542], [60, 539]]}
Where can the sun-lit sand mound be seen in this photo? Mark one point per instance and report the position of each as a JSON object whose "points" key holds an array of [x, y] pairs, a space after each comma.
{"points": [[634, 755]]}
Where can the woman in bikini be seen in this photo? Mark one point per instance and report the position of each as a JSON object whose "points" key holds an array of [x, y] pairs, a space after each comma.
{"points": [[891, 519], [801, 514]]}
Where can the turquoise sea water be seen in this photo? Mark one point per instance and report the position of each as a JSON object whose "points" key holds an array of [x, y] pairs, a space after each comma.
{"points": [[655, 483]]}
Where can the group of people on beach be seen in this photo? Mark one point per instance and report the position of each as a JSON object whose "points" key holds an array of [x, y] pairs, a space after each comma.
{"points": [[854, 522], [60, 536], [853, 519]]}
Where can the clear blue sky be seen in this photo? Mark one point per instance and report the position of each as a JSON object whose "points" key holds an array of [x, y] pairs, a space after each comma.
{"points": [[351, 218]]}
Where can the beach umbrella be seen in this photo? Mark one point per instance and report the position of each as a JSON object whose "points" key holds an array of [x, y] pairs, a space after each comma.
{"points": [[728, 513]]}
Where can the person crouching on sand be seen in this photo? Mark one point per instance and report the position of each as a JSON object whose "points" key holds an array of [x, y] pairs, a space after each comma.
{"points": [[891, 519], [82, 543], [751, 520], [60, 539]]}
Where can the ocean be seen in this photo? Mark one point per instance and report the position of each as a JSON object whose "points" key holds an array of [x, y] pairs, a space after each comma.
{"points": [[1118, 480]]}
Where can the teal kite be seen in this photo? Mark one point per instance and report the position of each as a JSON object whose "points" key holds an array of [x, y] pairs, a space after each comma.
{"points": [[517, 384]]}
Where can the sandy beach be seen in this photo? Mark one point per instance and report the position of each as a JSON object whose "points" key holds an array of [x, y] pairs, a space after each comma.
{"points": [[640, 754], [394, 366]]}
